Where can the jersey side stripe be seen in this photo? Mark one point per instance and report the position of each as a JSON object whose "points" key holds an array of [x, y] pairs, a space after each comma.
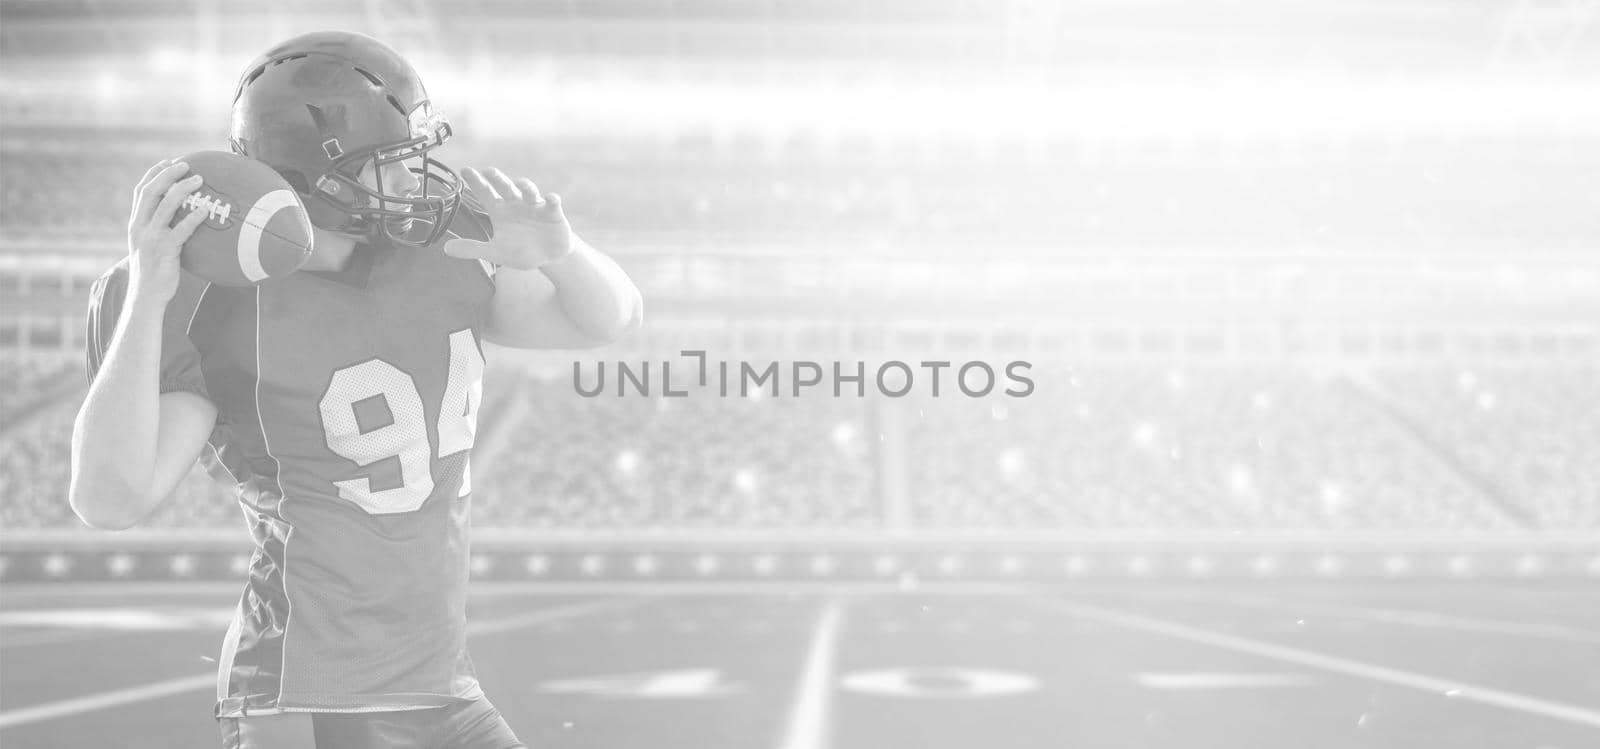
{"points": [[283, 501], [230, 645], [230, 642], [199, 301]]}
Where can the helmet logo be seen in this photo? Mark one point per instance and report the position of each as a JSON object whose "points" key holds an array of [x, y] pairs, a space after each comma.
{"points": [[217, 208]]}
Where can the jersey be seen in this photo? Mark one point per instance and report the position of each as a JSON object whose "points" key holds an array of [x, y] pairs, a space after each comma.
{"points": [[347, 406]]}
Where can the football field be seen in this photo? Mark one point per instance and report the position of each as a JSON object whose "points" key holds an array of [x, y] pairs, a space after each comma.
{"points": [[794, 667]]}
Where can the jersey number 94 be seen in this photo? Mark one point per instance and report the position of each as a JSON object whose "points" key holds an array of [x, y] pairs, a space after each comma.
{"points": [[406, 435]]}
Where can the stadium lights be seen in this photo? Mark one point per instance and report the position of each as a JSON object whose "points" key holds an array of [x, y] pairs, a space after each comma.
{"points": [[765, 564], [946, 564], [57, 565], [167, 60], [119, 565], [1012, 462], [107, 86], [1107, 106], [746, 480]]}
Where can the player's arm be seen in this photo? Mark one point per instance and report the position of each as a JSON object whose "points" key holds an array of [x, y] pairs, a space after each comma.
{"points": [[583, 300], [131, 442], [552, 289]]}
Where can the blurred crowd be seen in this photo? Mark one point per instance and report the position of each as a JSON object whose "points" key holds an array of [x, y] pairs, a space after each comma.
{"points": [[1531, 437], [1135, 448], [1203, 449], [801, 191], [562, 461]]}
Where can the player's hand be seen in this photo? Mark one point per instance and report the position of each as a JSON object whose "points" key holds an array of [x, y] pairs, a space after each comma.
{"points": [[153, 243], [530, 230]]}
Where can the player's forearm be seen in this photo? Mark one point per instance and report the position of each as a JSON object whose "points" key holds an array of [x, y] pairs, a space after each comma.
{"points": [[114, 438], [595, 293]]}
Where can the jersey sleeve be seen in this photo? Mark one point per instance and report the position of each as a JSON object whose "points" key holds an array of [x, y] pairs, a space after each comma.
{"points": [[180, 360]]}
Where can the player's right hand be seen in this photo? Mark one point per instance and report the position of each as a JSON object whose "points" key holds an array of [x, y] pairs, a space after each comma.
{"points": [[154, 244]]}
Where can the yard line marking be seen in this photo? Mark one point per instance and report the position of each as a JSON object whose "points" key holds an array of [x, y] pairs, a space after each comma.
{"points": [[1156, 680], [208, 681], [124, 618], [1360, 669], [520, 621], [57, 636], [810, 718], [103, 700], [1422, 618], [16, 591], [56, 626]]}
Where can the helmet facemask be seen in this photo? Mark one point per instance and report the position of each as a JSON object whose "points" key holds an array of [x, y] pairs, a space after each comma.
{"points": [[420, 218]]}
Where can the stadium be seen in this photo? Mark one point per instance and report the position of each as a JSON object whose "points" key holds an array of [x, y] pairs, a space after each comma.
{"points": [[1307, 294]]}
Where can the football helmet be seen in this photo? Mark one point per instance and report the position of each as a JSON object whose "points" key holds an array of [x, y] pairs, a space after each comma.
{"points": [[321, 108]]}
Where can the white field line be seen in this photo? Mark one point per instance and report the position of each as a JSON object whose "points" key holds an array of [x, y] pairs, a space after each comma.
{"points": [[57, 636], [810, 717], [92, 703], [15, 593], [527, 619], [1204, 680], [1443, 687], [1421, 618], [159, 689], [125, 618], [103, 700]]}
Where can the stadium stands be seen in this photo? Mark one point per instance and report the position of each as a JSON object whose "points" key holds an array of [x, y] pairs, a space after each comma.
{"points": [[695, 462], [1531, 436], [1216, 449], [647, 189], [1134, 448]]}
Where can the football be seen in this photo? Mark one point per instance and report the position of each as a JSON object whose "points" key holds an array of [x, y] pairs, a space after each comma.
{"points": [[257, 228]]}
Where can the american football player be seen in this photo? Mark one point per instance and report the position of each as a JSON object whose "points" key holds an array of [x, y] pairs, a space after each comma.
{"points": [[341, 400]]}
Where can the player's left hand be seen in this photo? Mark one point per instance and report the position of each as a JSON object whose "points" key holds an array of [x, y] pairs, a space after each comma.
{"points": [[530, 230]]}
